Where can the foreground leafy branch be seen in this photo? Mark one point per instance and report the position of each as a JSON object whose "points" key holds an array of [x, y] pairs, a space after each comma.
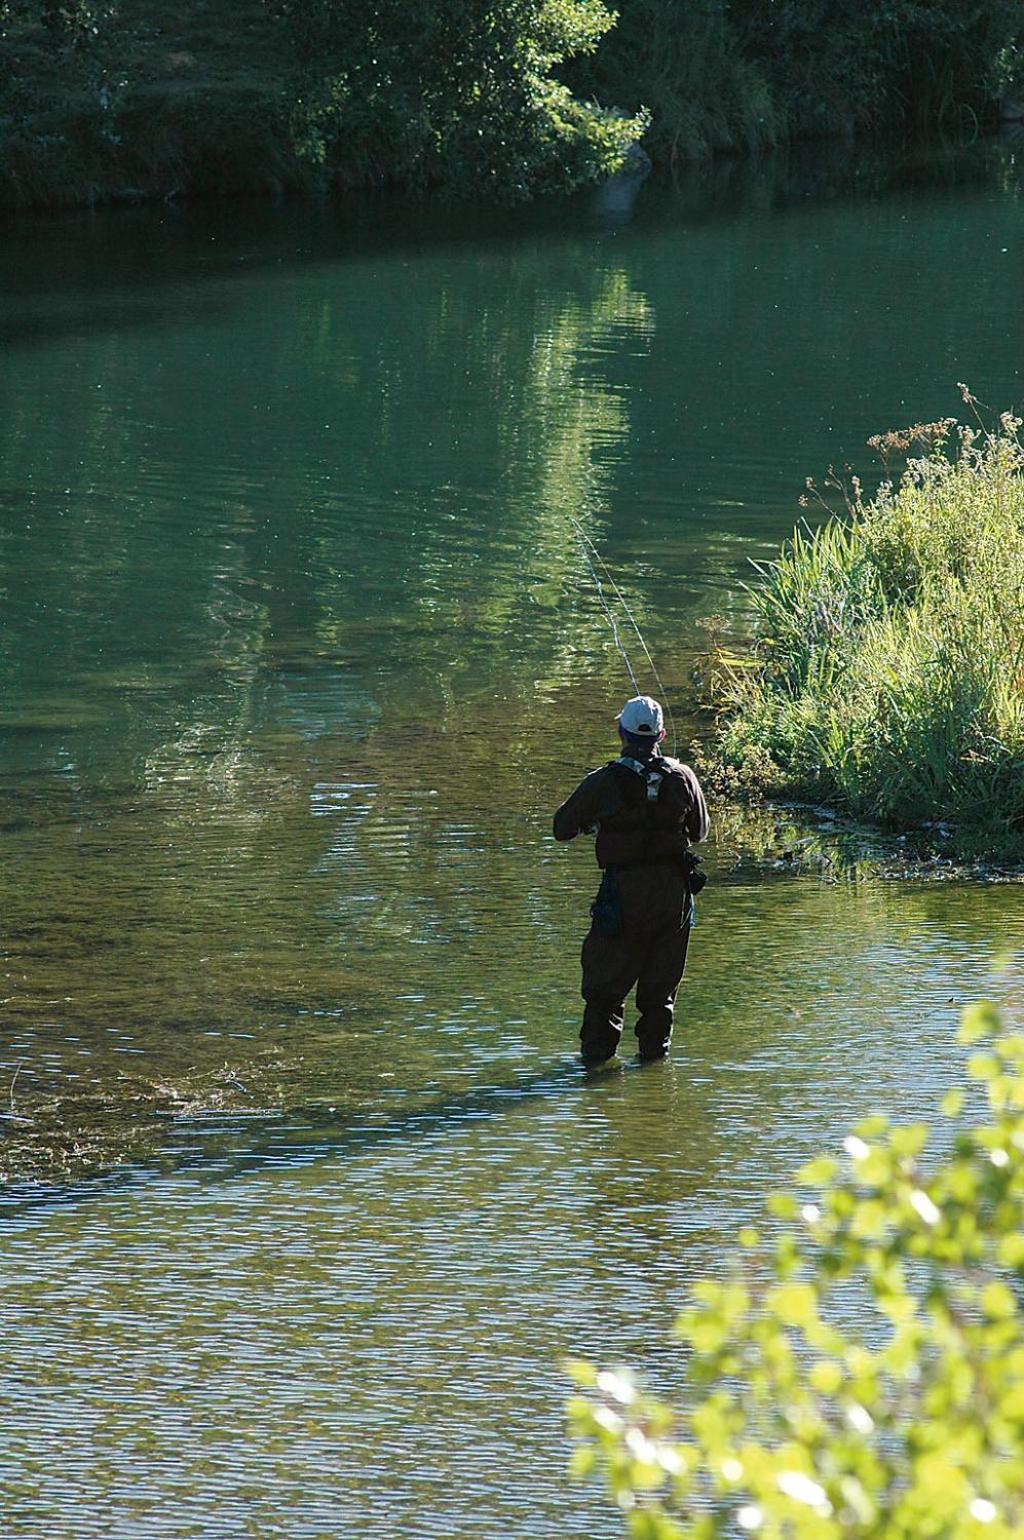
{"points": [[862, 1373]]}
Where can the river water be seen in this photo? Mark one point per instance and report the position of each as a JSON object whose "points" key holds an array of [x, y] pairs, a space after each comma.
{"points": [[300, 651]]}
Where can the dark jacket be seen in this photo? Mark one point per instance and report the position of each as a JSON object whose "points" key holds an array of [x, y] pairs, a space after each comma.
{"points": [[633, 830]]}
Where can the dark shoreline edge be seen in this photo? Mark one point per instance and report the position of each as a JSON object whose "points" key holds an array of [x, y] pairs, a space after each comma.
{"points": [[231, 144]]}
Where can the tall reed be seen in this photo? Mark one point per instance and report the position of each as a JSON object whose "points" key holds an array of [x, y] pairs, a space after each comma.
{"points": [[887, 675]]}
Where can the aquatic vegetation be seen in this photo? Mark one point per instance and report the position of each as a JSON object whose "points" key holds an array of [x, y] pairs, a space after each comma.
{"points": [[54, 1131], [887, 675], [861, 1373]]}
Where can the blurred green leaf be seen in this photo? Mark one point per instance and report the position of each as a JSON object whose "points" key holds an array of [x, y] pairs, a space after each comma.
{"points": [[862, 1379]]}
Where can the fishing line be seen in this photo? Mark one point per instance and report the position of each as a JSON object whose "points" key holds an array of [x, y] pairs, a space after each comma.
{"points": [[588, 547], [607, 609]]}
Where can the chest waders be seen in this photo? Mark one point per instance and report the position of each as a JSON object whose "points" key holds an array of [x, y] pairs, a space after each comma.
{"points": [[653, 887]]}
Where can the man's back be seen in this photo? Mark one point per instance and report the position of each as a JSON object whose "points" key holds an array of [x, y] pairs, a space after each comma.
{"points": [[634, 826]]}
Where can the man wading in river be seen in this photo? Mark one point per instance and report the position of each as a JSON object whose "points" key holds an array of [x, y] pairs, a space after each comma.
{"points": [[648, 810]]}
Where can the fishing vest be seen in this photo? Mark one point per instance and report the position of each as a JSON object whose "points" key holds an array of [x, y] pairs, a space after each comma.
{"points": [[645, 826]]}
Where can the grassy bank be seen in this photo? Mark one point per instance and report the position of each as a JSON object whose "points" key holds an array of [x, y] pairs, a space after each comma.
{"points": [[887, 678]]}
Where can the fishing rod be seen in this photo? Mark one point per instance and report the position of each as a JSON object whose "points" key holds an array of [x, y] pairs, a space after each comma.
{"points": [[590, 551]]}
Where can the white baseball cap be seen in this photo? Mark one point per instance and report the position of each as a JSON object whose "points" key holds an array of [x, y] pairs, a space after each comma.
{"points": [[642, 717]]}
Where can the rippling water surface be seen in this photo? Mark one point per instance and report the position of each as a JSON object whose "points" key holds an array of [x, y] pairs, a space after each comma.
{"points": [[300, 651]]}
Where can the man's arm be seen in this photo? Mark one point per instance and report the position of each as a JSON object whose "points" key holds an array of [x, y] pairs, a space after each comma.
{"points": [[583, 807], [696, 823]]}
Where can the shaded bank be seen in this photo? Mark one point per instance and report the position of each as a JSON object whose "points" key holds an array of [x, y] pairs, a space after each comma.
{"points": [[741, 75], [101, 104], [201, 99]]}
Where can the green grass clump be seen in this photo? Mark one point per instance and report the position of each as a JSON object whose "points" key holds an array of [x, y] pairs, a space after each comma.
{"points": [[888, 672]]}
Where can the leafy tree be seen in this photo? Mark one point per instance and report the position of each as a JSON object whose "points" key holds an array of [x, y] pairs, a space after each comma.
{"points": [[863, 1374], [72, 21], [459, 92]]}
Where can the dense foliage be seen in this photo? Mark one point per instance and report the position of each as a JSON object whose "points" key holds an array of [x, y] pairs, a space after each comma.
{"points": [[689, 63], [861, 1377], [888, 672], [102, 98], [721, 74], [453, 93], [873, 62], [205, 96]]}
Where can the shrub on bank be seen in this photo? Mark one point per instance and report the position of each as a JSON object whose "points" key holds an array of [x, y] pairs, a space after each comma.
{"points": [[887, 676], [99, 100], [861, 1378], [460, 93]]}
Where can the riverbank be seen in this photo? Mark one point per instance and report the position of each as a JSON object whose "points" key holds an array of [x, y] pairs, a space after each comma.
{"points": [[189, 102], [206, 99], [202, 100], [885, 678], [721, 78]]}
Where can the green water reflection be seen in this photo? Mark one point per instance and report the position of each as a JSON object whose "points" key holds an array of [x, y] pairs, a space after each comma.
{"points": [[299, 653]]}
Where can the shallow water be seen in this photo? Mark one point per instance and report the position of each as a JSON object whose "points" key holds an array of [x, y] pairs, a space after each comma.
{"points": [[300, 651]]}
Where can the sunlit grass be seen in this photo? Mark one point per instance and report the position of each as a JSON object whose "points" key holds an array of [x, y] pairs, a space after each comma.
{"points": [[888, 673]]}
